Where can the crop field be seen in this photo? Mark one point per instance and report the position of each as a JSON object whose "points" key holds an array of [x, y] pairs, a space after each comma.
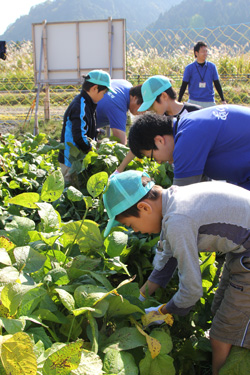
{"points": [[69, 296]]}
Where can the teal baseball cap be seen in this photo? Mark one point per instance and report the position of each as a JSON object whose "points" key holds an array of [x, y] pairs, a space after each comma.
{"points": [[100, 77], [123, 191], [151, 88]]}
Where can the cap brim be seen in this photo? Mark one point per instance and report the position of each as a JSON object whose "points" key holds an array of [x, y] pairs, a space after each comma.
{"points": [[146, 105], [111, 90], [111, 223]]}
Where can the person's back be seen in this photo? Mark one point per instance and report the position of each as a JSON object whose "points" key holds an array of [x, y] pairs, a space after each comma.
{"points": [[212, 141], [113, 102], [112, 109], [215, 142]]}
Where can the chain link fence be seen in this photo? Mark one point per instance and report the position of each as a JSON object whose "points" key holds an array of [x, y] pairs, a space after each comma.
{"points": [[149, 52]]}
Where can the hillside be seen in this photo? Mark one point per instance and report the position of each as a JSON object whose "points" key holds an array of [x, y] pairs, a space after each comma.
{"points": [[138, 14], [209, 13]]}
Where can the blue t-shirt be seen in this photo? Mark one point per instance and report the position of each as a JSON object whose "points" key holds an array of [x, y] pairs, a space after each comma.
{"points": [[112, 108], [214, 141], [200, 81]]}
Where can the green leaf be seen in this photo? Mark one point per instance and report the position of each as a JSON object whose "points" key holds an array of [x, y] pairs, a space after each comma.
{"points": [[49, 216], [66, 298], [86, 234], [96, 184], [57, 276], [8, 275], [45, 314], [17, 355], [31, 300], [12, 325], [88, 295], [74, 195], [238, 362], [39, 333], [121, 363], [4, 257], [80, 265], [28, 260], [27, 200], [14, 185], [162, 364], [64, 360], [116, 243], [90, 364], [165, 340], [125, 338], [119, 307], [12, 295], [53, 187]]}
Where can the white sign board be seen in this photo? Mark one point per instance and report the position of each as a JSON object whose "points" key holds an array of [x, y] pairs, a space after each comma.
{"points": [[64, 51]]}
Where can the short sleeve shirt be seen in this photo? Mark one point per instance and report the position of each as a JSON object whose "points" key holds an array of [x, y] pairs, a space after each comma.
{"points": [[112, 108], [195, 74], [214, 141]]}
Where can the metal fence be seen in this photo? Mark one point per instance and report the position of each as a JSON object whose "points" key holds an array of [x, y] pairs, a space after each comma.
{"points": [[149, 52]]}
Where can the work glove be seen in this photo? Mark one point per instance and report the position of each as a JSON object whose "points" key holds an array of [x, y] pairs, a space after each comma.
{"points": [[142, 297], [158, 311]]}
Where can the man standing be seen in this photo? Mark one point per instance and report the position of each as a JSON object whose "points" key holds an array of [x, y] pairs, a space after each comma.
{"points": [[199, 76], [112, 109]]}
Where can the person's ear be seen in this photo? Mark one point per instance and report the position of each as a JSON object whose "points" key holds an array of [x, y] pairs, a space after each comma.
{"points": [[164, 96], [159, 140], [144, 207]]}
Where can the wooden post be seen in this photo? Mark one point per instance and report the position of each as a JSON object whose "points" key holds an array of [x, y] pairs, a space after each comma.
{"points": [[46, 76], [110, 32]]}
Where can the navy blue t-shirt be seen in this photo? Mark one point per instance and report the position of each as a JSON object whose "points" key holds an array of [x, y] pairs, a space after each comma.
{"points": [[214, 141]]}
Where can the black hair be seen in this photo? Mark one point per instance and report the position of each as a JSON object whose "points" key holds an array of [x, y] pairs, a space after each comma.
{"points": [[171, 93], [198, 46], [136, 91], [153, 195], [145, 128], [87, 85]]}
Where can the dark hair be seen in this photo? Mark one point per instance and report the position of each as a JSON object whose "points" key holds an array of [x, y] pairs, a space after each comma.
{"points": [[87, 85], [153, 194], [198, 46], [171, 93], [145, 128], [136, 91]]}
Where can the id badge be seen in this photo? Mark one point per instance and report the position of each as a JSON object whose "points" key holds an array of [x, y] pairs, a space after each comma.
{"points": [[202, 85]]}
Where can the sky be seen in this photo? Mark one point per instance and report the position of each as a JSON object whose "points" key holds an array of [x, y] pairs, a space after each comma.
{"points": [[10, 10]]}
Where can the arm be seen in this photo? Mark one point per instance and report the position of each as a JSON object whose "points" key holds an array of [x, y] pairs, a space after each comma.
{"points": [[159, 279], [219, 90], [128, 158], [182, 90], [79, 132], [120, 134]]}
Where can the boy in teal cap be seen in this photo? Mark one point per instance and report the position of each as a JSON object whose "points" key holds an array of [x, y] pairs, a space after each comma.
{"points": [[159, 96], [79, 124], [210, 216]]}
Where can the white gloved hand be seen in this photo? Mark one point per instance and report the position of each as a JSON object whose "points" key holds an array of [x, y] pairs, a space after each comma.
{"points": [[158, 310], [142, 297]]}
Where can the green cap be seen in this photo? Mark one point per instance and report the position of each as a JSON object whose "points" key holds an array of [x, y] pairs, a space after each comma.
{"points": [[100, 77], [151, 88], [124, 190]]}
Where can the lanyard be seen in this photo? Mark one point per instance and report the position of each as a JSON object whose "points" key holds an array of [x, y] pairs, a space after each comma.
{"points": [[202, 78]]}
